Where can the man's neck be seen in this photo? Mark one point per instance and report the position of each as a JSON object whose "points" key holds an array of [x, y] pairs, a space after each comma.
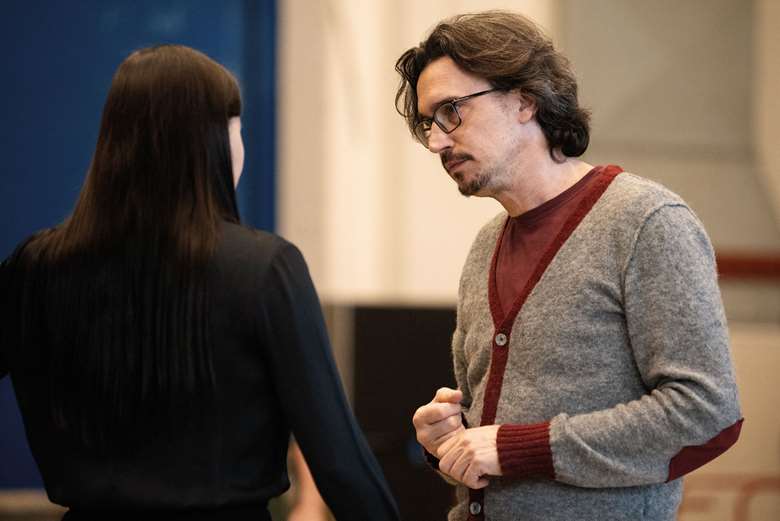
{"points": [[535, 183]]}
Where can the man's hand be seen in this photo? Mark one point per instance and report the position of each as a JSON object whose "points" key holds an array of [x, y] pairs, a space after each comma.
{"points": [[470, 456], [439, 420]]}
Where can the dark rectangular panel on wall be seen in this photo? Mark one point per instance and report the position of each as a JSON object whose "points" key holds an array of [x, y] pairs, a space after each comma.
{"points": [[402, 355]]}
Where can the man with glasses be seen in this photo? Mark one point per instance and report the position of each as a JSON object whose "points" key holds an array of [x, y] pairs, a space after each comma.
{"points": [[591, 351]]}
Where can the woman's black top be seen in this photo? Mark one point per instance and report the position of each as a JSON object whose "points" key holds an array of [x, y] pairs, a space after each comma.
{"points": [[274, 374]]}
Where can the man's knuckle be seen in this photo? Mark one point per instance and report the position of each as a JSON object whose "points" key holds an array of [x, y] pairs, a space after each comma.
{"points": [[418, 419]]}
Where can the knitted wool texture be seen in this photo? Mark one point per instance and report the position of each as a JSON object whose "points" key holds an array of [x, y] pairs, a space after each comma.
{"points": [[622, 346]]}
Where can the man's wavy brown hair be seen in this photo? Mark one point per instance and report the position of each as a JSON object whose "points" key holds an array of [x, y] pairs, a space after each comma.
{"points": [[512, 53]]}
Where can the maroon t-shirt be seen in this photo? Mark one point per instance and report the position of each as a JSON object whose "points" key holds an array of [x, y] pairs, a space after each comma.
{"points": [[526, 237]]}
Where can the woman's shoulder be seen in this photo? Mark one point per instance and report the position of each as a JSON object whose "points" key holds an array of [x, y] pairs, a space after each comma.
{"points": [[253, 240], [249, 246]]}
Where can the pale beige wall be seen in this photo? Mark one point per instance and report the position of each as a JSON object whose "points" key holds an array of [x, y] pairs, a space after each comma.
{"points": [[374, 213], [671, 86], [766, 103], [682, 92]]}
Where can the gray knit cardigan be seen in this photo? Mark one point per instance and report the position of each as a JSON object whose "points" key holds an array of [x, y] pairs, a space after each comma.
{"points": [[620, 350]]}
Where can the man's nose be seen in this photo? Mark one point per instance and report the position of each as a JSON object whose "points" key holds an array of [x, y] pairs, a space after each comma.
{"points": [[438, 140]]}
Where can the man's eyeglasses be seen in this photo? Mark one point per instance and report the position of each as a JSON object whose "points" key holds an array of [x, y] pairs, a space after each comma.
{"points": [[445, 116]]}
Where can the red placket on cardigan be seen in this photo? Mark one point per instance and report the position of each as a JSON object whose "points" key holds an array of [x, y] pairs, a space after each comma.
{"points": [[502, 323]]}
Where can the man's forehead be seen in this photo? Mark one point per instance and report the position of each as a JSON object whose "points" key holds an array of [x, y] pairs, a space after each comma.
{"points": [[443, 80]]}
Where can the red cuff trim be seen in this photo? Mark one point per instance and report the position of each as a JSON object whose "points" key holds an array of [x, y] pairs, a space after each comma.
{"points": [[524, 451]]}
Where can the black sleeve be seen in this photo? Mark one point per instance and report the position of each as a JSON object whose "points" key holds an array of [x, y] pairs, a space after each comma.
{"points": [[292, 327]]}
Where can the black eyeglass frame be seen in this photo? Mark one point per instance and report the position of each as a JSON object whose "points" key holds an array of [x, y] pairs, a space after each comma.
{"points": [[423, 128]]}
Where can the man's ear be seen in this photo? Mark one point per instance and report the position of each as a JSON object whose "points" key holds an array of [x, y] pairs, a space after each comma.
{"points": [[525, 105]]}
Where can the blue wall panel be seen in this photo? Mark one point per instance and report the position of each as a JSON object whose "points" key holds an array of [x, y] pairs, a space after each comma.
{"points": [[57, 65]]}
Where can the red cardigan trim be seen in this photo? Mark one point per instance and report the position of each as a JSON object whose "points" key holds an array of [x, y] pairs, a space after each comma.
{"points": [[503, 323]]}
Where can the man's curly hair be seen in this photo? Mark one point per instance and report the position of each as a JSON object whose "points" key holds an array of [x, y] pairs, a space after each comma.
{"points": [[512, 53]]}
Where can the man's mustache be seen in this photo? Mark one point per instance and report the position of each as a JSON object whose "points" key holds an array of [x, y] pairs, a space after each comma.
{"points": [[448, 156]]}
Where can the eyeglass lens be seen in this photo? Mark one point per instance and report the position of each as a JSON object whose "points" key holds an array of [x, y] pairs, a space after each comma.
{"points": [[445, 117]]}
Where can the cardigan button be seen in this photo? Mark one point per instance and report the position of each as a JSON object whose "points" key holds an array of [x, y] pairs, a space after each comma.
{"points": [[501, 339], [475, 508]]}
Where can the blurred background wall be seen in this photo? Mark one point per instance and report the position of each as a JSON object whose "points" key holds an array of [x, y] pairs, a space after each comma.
{"points": [[681, 92], [684, 93]]}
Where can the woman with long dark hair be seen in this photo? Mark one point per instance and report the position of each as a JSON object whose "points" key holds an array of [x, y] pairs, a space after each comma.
{"points": [[161, 352]]}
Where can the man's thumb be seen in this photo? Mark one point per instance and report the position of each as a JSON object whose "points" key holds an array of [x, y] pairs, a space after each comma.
{"points": [[447, 395]]}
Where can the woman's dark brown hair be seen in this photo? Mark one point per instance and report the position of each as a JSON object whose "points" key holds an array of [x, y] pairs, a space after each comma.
{"points": [[123, 326], [512, 53]]}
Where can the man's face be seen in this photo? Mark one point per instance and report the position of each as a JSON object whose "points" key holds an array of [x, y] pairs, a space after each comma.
{"points": [[478, 154]]}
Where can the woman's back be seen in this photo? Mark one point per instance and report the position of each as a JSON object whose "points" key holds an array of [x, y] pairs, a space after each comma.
{"points": [[161, 353], [273, 372]]}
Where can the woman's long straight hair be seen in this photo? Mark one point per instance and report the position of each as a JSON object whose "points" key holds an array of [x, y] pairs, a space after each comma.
{"points": [[124, 327]]}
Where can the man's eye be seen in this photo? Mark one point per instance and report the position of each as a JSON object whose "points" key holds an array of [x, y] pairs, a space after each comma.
{"points": [[446, 111]]}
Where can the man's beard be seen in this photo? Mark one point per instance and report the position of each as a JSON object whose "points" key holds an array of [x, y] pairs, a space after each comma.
{"points": [[472, 187], [476, 184]]}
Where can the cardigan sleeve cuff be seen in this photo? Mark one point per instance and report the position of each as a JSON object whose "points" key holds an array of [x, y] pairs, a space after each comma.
{"points": [[524, 451]]}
